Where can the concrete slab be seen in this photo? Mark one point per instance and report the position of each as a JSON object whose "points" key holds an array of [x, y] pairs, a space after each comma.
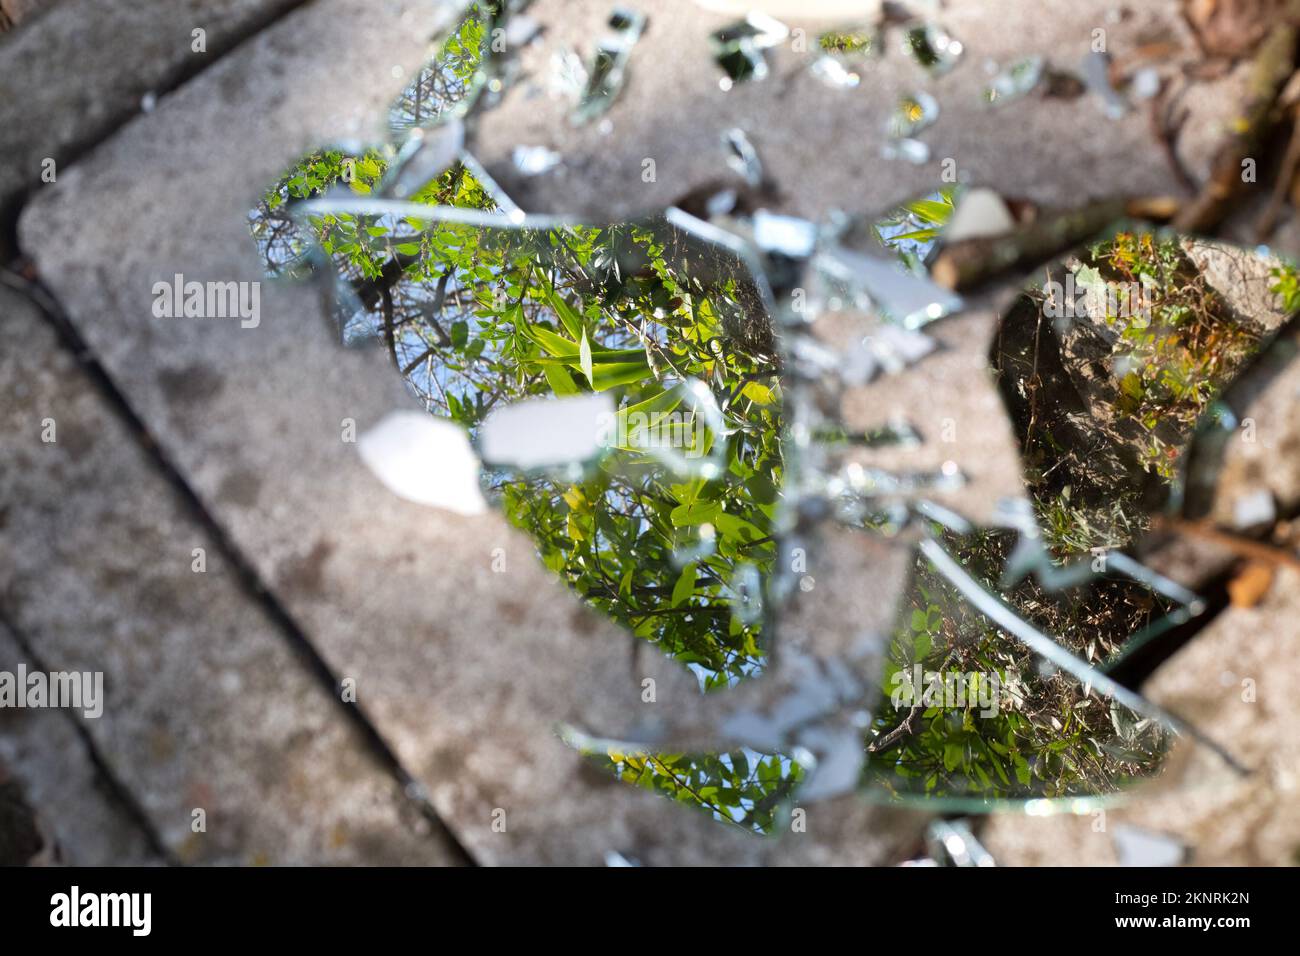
{"points": [[205, 706], [77, 69], [80, 815]]}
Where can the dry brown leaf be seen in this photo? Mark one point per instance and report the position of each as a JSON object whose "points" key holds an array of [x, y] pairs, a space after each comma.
{"points": [[1250, 584]]}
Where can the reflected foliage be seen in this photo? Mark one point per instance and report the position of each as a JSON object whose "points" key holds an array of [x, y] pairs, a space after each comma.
{"points": [[1106, 370], [972, 713], [744, 788]]}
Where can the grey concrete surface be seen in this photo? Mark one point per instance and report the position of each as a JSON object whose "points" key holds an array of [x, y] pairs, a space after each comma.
{"points": [[82, 818], [205, 706], [74, 70]]}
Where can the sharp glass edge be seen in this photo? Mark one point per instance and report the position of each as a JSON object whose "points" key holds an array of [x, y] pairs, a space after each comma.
{"points": [[1042, 645]]}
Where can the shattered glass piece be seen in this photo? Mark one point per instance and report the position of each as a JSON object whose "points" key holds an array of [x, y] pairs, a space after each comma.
{"points": [[856, 347], [742, 157], [449, 84], [745, 592], [839, 767], [427, 154], [721, 203], [741, 788], [1254, 510], [1136, 846], [568, 75], [547, 433], [908, 299], [896, 431], [909, 150], [534, 160], [1145, 84], [933, 48], [983, 707], [834, 74], [469, 341], [1095, 70], [893, 348], [738, 48], [953, 843], [842, 54], [913, 113], [848, 45], [1017, 80], [424, 459], [818, 9], [608, 70], [1063, 85], [521, 30], [1224, 466], [978, 214], [1122, 351], [912, 231], [788, 235]]}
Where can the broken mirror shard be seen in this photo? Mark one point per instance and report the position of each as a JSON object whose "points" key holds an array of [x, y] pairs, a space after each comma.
{"points": [[1014, 81], [607, 71], [424, 459], [1135, 846], [913, 113], [622, 384], [1145, 84], [534, 160], [834, 73], [656, 403], [842, 55], [742, 157], [953, 843], [739, 48], [908, 150], [1225, 483], [1095, 70], [742, 788], [894, 291], [979, 214], [447, 85], [1109, 364], [932, 47], [984, 708]]}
